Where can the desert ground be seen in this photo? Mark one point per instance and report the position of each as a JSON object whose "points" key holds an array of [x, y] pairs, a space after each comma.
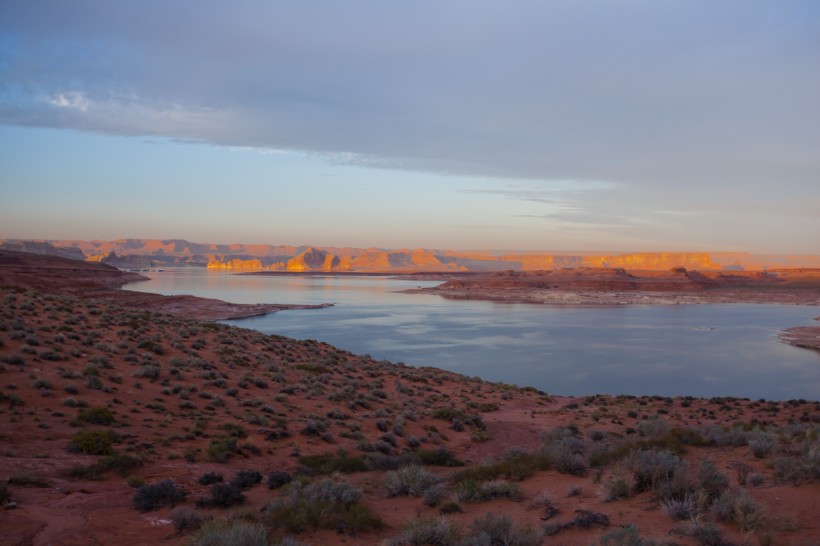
{"points": [[130, 419]]}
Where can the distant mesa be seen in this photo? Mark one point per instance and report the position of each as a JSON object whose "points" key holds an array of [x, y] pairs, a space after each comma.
{"points": [[142, 253]]}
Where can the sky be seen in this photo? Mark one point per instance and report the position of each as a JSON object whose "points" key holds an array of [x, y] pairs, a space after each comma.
{"points": [[620, 125]]}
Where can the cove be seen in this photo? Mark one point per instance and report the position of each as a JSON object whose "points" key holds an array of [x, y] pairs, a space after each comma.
{"points": [[672, 350]]}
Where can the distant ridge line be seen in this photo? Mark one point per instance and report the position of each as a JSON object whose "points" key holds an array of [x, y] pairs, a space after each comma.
{"points": [[140, 253]]}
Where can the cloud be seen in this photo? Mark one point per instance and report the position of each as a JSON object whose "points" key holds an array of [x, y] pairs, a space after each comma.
{"points": [[71, 99], [672, 102]]}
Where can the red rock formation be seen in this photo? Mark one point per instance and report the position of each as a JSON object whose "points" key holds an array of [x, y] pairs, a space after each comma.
{"points": [[314, 260], [171, 252]]}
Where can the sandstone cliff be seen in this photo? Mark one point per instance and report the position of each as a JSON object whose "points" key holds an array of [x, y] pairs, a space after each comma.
{"points": [[314, 260], [139, 253]]}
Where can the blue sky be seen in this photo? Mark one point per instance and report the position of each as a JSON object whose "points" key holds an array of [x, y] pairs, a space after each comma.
{"points": [[609, 125]]}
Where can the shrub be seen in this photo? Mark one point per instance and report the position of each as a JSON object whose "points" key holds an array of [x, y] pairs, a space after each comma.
{"points": [[28, 479], [123, 464], [223, 495], [566, 450], [327, 463], [434, 495], [185, 519], [679, 509], [735, 505], [615, 488], [450, 507], [653, 428], [409, 480], [707, 534], [585, 519], [322, 505], [625, 536], [278, 478], [651, 469], [517, 466], [233, 533], [96, 416], [210, 478], [710, 479], [492, 529], [92, 442], [438, 457], [220, 449], [424, 531], [472, 491], [153, 496], [762, 444], [5, 495], [72, 402], [245, 479]]}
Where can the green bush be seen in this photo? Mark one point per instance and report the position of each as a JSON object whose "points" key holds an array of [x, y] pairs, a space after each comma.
{"points": [[220, 449], [93, 442], [96, 416]]}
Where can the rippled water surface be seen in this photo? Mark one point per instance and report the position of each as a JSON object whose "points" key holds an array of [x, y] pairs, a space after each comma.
{"points": [[698, 350]]}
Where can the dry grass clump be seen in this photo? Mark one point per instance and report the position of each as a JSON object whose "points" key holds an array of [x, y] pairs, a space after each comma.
{"points": [[412, 480]]}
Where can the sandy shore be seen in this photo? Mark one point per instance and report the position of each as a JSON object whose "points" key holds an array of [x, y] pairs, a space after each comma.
{"points": [[55, 275]]}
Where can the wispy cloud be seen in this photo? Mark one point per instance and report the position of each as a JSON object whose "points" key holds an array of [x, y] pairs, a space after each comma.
{"points": [[72, 99]]}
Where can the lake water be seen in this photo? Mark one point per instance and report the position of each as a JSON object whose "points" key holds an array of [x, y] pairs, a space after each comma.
{"points": [[669, 350]]}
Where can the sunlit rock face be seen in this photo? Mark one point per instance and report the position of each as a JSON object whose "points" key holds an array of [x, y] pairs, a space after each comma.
{"points": [[314, 260], [235, 263], [653, 261]]}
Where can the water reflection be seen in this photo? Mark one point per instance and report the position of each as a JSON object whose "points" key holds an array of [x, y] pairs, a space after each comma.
{"points": [[703, 350]]}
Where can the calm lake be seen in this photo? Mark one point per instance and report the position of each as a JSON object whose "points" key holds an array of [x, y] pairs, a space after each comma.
{"points": [[669, 350]]}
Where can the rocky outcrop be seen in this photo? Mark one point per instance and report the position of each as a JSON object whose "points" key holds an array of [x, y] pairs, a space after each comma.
{"points": [[44, 248], [314, 260]]}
